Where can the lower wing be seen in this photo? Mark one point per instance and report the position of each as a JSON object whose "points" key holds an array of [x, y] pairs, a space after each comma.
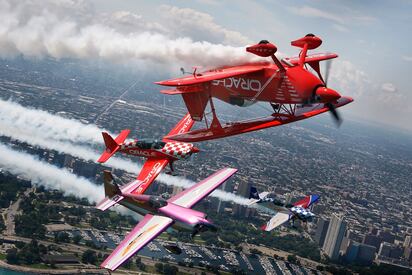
{"points": [[183, 126], [144, 232], [236, 128], [277, 220], [150, 170]]}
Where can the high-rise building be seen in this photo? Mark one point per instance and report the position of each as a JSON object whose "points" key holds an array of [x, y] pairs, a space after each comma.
{"points": [[385, 249], [243, 190], [321, 230], [373, 240], [366, 254], [407, 254], [408, 241], [334, 236], [386, 236]]}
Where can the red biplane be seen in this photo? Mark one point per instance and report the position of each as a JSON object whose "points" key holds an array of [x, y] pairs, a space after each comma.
{"points": [[158, 153], [293, 91]]}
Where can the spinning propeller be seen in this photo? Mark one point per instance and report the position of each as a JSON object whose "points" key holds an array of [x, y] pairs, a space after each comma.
{"points": [[337, 118], [321, 94]]}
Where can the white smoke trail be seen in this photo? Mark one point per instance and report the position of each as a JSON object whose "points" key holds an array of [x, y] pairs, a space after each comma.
{"points": [[47, 126], [73, 29], [47, 175], [19, 125]]}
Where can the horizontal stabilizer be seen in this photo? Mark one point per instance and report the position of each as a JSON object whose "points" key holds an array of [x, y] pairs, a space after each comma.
{"points": [[307, 201], [114, 193], [277, 220], [112, 145]]}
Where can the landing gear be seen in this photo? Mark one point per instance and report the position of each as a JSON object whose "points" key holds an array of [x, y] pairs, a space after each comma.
{"points": [[287, 110], [172, 170]]}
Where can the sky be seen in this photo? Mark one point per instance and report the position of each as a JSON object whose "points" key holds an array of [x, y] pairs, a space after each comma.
{"points": [[371, 37]]}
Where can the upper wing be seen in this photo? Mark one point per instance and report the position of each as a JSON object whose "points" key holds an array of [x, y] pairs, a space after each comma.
{"points": [[277, 220], [149, 172], [310, 58], [212, 75], [145, 231], [183, 126], [197, 192], [307, 201]]}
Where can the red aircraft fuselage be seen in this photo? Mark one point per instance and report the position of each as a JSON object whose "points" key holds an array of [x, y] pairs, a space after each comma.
{"points": [[155, 149]]}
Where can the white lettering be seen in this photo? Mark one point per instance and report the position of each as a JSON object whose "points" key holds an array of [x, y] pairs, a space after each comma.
{"points": [[142, 153], [184, 127], [243, 83]]}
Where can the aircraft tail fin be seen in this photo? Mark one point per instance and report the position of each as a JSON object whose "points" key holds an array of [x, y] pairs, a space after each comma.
{"points": [[110, 186], [112, 192], [112, 145]]}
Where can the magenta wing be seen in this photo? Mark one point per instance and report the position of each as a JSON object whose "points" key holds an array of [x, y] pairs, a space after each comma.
{"points": [[144, 232], [197, 192]]}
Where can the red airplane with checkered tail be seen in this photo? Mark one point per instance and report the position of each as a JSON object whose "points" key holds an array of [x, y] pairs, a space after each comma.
{"points": [[289, 86], [159, 153]]}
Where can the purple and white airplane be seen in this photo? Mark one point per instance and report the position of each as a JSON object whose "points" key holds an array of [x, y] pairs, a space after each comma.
{"points": [[159, 214]]}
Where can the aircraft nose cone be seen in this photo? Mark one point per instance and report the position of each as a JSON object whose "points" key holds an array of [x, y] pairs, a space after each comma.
{"points": [[195, 149], [327, 95]]}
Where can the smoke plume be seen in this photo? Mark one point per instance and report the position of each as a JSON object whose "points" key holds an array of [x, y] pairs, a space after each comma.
{"points": [[47, 175], [73, 29], [42, 129]]}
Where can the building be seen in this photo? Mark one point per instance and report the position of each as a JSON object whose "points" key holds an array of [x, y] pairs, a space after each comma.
{"points": [[386, 236], [321, 230], [243, 190], [366, 254], [359, 253], [408, 241], [407, 254], [385, 249], [370, 239], [334, 237]]}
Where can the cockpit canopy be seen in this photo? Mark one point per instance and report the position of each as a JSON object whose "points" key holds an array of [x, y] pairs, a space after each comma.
{"points": [[150, 144]]}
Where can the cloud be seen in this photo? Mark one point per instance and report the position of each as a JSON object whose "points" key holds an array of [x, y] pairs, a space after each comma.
{"points": [[200, 26], [342, 18], [407, 58], [389, 87], [308, 11], [72, 29], [340, 28]]}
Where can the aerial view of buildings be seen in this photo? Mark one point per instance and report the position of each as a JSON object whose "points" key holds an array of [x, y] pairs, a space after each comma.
{"points": [[94, 72]]}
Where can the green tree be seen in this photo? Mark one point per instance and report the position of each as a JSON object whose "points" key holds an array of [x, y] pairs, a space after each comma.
{"points": [[12, 257], [76, 239], [89, 256], [292, 259]]}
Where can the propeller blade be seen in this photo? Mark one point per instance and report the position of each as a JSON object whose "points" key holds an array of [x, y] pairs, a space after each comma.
{"points": [[328, 65], [335, 114]]}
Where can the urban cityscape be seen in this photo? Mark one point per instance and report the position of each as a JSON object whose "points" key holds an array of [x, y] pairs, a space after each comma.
{"points": [[361, 172]]}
